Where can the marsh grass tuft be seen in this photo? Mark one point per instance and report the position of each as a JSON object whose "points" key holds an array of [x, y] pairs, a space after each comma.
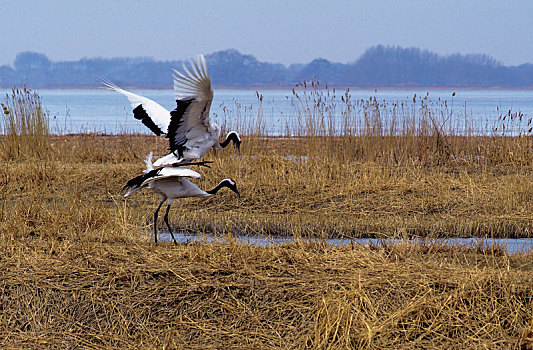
{"points": [[25, 124]]}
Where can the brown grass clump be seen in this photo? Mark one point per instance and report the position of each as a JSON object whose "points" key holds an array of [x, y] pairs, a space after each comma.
{"points": [[78, 271], [25, 124]]}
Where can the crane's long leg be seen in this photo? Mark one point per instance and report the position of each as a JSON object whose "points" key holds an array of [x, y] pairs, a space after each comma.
{"points": [[155, 220], [168, 226]]}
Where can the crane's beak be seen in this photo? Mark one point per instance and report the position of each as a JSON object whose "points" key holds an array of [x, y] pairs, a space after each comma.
{"points": [[237, 147], [234, 189]]}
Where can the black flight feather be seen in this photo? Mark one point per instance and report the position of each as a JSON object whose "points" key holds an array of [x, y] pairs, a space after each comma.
{"points": [[177, 138], [140, 114], [138, 181]]}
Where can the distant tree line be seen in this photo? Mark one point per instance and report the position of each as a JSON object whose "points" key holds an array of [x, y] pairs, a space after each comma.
{"points": [[379, 66]]}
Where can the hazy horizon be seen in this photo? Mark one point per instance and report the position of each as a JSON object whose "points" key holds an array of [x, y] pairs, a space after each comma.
{"points": [[274, 31], [252, 54]]}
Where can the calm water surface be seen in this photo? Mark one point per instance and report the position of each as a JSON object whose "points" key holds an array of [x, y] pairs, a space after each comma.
{"points": [[100, 110]]}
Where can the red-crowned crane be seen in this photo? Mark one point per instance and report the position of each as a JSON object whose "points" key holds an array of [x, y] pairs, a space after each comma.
{"points": [[171, 182], [188, 128]]}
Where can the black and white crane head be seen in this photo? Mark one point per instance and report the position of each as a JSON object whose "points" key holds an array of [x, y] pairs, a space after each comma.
{"points": [[188, 128], [171, 182]]}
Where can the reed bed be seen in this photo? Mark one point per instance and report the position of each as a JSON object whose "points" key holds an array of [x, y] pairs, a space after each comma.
{"points": [[79, 271]]}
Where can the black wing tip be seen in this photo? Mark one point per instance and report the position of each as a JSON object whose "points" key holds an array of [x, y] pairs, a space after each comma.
{"points": [[140, 113], [131, 184], [138, 180], [135, 182]]}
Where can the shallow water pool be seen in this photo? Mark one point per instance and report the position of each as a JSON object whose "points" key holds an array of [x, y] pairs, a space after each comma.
{"points": [[511, 245]]}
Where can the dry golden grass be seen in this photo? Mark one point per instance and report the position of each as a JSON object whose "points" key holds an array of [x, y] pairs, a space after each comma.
{"points": [[77, 271], [130, 294], [311, 196]]}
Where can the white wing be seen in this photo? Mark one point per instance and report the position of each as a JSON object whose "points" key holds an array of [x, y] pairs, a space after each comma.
{"points": [[190, 119], [195, 83], [167, 172], [149, 112]]}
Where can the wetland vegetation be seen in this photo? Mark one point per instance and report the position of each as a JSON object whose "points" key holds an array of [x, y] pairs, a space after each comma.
{"points": [[78, 271]]}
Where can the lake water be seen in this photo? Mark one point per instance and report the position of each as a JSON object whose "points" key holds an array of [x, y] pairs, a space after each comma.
{"points": [[103, 111]]}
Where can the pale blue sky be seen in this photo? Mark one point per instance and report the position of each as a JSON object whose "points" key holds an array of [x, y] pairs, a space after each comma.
{"points": [[280, 31]]}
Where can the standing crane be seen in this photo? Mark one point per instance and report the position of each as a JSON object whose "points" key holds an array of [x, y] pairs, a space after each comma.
{"points": [[171, 182]]}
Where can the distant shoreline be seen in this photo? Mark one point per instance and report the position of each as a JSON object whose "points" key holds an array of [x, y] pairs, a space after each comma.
{"points": [[380, 67]]}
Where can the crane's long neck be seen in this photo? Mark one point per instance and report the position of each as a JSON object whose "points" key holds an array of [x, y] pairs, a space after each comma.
{"points": [[217, 188], [229, 183], [232, 136]]}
